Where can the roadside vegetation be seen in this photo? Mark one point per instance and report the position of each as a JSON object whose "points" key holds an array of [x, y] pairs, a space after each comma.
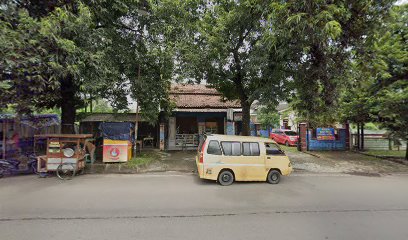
{"points": [[333, 61], [142, 159], [386, 153]]}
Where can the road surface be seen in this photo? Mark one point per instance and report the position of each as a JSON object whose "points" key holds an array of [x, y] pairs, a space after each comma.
{"points": [[180, 206]]}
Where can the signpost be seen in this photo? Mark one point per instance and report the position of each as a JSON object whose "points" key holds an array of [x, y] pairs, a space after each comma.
{"points": [[325, 134]]}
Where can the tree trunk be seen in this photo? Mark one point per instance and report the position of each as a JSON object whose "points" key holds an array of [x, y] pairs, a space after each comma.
{"points": [[68, 110], [358, 136], [246, 118]]}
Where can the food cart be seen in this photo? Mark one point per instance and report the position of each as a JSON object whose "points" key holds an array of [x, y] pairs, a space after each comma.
{"points": [[65, 154], [117, 141]]}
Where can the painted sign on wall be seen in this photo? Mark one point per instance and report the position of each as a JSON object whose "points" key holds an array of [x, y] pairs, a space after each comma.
{"points": [[325, 134]]}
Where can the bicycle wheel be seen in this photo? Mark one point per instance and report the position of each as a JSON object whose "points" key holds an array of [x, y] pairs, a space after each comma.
{"points": [[66, 171]]}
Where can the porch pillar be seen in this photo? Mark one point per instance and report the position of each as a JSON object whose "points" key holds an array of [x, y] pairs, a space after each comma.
{"points": [[172, 132], [162, 142]]}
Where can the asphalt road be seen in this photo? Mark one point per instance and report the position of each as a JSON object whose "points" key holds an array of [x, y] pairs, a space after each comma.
{"points": [[173, 206]]}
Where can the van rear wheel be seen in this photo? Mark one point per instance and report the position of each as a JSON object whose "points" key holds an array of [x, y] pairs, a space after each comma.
{"points": [[273, 177], [225, 178]]}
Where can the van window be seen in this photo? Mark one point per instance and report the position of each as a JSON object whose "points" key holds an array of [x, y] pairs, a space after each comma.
{"points": [[272, 149], [231, 148], [250, 149], [214, 148]]}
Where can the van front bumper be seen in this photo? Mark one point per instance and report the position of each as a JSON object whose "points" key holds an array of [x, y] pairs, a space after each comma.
{"points": [[288, 171]]}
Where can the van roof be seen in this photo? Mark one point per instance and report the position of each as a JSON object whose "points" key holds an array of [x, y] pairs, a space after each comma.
{"points": [[238, 138]]}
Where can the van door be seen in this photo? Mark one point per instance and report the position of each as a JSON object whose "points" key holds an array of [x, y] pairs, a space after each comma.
{"points": [[274, 156], [244, 160], [256, 165]]}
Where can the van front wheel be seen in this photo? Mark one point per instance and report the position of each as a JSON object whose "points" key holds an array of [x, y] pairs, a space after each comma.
{"points": [[225, 178], [273, 177]]}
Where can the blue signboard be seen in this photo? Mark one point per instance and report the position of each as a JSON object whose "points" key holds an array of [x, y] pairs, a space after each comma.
{"points": [[325, 134]]}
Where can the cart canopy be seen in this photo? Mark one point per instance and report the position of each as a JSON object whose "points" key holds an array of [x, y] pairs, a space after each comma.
{"points": [[117, 130]]}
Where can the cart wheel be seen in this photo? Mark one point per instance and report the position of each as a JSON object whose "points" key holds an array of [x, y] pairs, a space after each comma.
{"points": [[66, 171], [81, 172], [42, 175]]}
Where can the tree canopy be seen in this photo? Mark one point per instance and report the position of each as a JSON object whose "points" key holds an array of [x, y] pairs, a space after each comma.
{"points": [[54, 54], [323, 38], [221, 43], [333, 60]]}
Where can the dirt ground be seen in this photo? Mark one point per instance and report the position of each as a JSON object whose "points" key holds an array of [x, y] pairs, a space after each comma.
{"points": [[180, 161], [343, 162], [319, 162]]}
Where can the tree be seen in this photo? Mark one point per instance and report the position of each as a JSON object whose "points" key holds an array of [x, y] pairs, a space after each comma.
{"points": [[47, 59], [377, 90], [220, 42], [323, 37], [62, 51], [268, 118], [390, 74]]}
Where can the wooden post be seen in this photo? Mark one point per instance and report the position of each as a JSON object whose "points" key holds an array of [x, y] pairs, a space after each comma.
{"points": [[358, 136], [362, 136], [347, 136], [4, 139], [137, 115], [90, 106]]}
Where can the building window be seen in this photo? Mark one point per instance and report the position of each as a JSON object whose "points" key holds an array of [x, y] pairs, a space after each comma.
{"points": [[214, 148], [250, 149], [231, 148]]}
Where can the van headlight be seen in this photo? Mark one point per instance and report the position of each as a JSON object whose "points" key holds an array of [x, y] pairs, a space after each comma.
{"points": [[290, 164]]}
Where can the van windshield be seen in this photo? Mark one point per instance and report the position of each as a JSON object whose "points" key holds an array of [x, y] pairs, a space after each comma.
{"points": [[290, 133]]}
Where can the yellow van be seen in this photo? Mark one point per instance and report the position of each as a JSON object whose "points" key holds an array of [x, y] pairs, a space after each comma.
{"points": [[228, 158]]}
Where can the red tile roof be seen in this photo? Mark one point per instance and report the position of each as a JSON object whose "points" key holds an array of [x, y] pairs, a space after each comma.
{"points": [[199, 96]]}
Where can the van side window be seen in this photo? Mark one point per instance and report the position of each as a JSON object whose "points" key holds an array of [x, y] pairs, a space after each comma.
{"points": [[272, 149], [214, 148], [250, 149], [231, 148]]}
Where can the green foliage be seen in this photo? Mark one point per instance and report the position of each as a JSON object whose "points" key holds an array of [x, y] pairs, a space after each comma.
{"points": [[321, 39], [142, 159], [53, 55], [38, 53], [378, 89], [268, 118], [220, 42], [391, 75]]}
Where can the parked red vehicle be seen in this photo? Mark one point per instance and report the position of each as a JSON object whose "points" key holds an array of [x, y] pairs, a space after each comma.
{"points": [[284, 136]]}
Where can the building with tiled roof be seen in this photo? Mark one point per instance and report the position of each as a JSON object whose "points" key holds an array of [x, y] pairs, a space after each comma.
{"points": [[199, 109], [192, 97]]}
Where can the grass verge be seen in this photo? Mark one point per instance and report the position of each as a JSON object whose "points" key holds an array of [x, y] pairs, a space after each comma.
{"points": [[143, 158], [288, 149], [387, 153]]}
